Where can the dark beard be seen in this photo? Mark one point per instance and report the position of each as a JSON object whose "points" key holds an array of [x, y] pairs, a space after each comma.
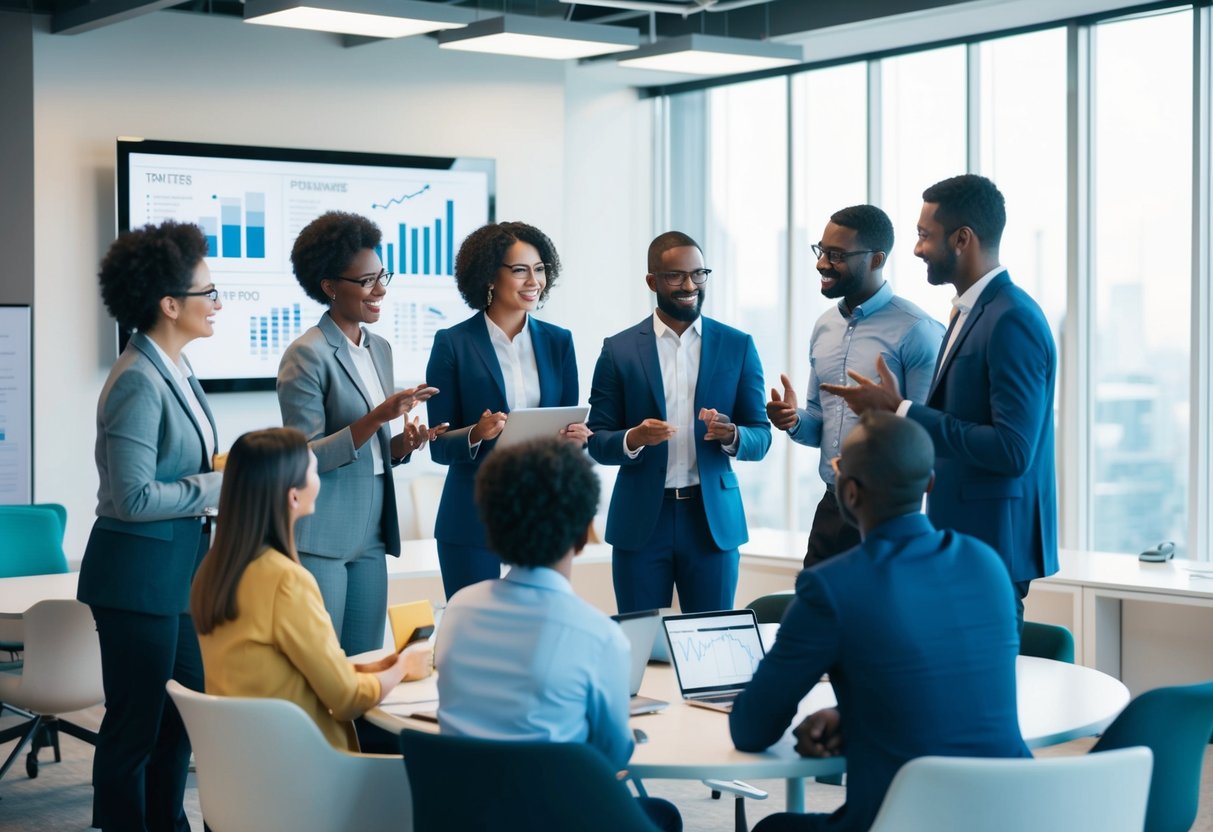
{"points": [[842, 286], [679, 312], [942, 272]]}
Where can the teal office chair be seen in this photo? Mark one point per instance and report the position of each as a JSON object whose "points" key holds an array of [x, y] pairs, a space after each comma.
{"points": [[1047, 641], [473, 784], [769, 609], [1174, 723]]}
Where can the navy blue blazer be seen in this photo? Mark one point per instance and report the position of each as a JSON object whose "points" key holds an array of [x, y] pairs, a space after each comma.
{"points": [[627, 389], [917, 630], [990, 414], [465, 369]]}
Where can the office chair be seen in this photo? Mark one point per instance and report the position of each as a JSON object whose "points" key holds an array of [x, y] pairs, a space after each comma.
{"points": [[473, 784], [61, 673], [1059, 794], [264, 766], [1174, 723], [769, 609], [1047, 641]]}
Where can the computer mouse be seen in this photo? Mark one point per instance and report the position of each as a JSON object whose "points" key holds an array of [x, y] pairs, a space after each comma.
{"points": [[1163, 551]]}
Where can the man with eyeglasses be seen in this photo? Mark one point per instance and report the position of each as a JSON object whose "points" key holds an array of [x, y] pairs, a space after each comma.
{"points": [[674, 400], [990, 406], [869, 321]]}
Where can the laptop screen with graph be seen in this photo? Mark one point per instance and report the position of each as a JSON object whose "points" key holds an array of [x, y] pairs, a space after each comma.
{"points": [[713, 652]]}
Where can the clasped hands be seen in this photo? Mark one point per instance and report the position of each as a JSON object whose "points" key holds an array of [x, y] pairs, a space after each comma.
{"points": [[819, 734], [655, 431]]}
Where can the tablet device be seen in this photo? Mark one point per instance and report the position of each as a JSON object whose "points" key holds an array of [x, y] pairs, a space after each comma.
{"points": [[539, 422]]}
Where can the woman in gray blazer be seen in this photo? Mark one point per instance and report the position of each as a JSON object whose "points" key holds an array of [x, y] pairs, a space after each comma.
{"points": [[158, 490], [335, 385]]}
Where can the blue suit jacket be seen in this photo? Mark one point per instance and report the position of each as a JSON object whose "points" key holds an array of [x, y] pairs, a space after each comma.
{"points": [[917, 630], [990, 414], [627, 389], [465, 369]]}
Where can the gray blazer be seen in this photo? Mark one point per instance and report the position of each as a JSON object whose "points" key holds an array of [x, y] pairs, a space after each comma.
{"points": [[155, 483], [321, 394]]}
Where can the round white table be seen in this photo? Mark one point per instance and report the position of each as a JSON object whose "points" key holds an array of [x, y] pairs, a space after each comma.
{"points": [[1057, 702]]}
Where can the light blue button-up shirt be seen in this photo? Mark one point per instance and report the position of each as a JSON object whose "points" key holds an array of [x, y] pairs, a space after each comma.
{"points": [[884, 324], [524, 658]]}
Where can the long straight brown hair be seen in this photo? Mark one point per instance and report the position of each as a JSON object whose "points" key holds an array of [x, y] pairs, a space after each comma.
{"points": [[262, 467]]}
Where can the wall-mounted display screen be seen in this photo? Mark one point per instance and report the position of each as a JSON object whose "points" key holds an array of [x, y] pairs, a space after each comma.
{"points": [[251, 203]]}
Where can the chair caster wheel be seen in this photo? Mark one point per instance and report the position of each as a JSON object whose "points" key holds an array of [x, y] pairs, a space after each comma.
{"points": [[31, 765]]}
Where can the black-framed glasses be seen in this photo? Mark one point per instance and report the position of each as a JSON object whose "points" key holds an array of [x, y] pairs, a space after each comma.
{"points": [[212, 294], [521, 270], [835, 256], [698, 277], [366, 281]]}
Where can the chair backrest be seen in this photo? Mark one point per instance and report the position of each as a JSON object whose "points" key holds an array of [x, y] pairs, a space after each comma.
{"points": [[769, 609], [1047, 641], [1058, 794], [1175, 723], [264, 766], [426, 493], [31, 540], [518, 786], [62, 668]]}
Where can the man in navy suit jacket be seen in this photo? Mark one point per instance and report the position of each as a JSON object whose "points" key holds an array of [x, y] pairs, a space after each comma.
{"points": [[990, 407], [915, 626], [674, 400]]}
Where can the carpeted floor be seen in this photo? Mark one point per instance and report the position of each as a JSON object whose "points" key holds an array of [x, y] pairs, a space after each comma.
{"points": [[61, 798]]}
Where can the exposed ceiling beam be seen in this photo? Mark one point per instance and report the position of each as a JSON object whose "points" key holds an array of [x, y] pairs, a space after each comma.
{"points": [[94, 15]]}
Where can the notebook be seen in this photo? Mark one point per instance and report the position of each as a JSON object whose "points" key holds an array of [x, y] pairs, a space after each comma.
{"points": [[406, 618], [714, 655], [641, 629]]}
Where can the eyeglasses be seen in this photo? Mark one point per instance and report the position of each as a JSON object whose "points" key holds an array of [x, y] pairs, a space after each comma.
{"points": [[366, 281], [521, 270], [698, 277], [835, 256], [212, 294]]}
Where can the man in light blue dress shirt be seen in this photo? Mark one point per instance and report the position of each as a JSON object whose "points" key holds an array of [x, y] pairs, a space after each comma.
{"points": [[523, 657], [868, 321]]}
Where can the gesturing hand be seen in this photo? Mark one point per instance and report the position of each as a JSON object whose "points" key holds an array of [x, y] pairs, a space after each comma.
{"points": [[720, 429], [781, 410], [866, 394], [650, 432], [489, 426], [820, 734], [401, 402]]}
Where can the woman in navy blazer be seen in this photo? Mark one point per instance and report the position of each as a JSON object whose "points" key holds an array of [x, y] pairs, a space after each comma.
{"points": [[155, 449], [498, 360]]}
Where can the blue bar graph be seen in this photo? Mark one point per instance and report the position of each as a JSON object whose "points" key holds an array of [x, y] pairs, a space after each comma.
{"points": [[414, 251], [254, 224], [391, 260], [425, 234], [450, 237], [272, 332], [210, 228], [229, 213], [421, 249]]}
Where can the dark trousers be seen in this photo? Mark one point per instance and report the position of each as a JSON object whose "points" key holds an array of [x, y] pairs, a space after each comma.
{"points": [[663, 814], [143, 753], [463, 565], [830, 535], [682, 553]]}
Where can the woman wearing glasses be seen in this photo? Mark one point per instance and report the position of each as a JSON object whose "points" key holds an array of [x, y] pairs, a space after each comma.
{"points": [[335, 385], [498, 360], [155, 449]]}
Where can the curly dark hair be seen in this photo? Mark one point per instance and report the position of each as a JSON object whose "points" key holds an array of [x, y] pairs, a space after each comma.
{"points": [[326, 247], [145, 265], [482, 252], [536, 500], [973, 201]]}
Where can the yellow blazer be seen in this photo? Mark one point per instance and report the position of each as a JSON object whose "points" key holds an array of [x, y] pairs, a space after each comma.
{"points": [[282, 645]]}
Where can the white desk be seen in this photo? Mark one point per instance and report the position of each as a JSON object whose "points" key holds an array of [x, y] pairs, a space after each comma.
{"points": [[19, 594], [1057, 702]]}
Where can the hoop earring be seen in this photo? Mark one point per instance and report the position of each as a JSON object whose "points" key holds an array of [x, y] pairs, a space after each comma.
{"points": [[489, 302]]}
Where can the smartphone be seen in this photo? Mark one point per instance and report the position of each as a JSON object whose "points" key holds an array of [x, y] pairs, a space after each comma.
{"points": [[420, 634]]}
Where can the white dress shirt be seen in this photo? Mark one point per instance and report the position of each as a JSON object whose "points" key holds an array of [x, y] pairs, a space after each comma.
{"points": [[518, 368], [365, 365], [182, 371]]}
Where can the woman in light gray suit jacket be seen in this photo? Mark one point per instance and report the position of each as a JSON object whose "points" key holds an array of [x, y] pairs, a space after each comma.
{"points": [[335, 385], [155, 448]]}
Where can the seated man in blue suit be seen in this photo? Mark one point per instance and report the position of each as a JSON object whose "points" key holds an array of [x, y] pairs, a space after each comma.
{"points": [[674, 400], [915, 626]]}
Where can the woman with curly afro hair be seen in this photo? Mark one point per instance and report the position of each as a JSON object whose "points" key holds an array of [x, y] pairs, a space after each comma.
{"points": [[158, 488], [498, 360], [335, 385]]}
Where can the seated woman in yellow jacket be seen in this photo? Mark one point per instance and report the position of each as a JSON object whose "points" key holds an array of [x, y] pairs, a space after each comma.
{"points": [[260, 618]]}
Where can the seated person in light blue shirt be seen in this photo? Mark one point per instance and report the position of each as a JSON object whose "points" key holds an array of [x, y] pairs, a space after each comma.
{"points": [[868, 321], [523, 657]]}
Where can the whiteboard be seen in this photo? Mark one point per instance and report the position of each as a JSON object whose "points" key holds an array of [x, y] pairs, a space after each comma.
{"points": [[16, 407]]}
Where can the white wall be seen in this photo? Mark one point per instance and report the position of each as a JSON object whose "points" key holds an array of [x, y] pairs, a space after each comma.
{"points": [[572, 150]]}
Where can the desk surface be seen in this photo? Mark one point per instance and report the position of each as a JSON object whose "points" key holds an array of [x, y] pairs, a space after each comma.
{"points": [[19, 594], [1106, 570]]}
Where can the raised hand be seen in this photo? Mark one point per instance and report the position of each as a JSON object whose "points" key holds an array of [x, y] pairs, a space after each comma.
{"points": [[489, 426], [866, 394], [781, 410]]}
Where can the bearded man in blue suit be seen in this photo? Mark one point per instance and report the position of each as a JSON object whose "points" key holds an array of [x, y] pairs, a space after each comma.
{"points": [[990, 407], [675, 399]]}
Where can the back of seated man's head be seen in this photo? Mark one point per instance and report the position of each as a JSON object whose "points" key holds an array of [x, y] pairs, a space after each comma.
{"points": [[892, 459], [536, 501]]}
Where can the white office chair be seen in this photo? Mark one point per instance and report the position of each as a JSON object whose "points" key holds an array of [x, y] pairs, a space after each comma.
{"points": [[264, 766], [1059, 794], [61, 674]]}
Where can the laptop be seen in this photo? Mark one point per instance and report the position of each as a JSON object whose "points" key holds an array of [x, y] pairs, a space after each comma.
{"points": [[641, 629], [714, 655]]}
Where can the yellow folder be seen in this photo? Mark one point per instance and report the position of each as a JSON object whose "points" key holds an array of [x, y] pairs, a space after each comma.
{"points": [[406, 618]]}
